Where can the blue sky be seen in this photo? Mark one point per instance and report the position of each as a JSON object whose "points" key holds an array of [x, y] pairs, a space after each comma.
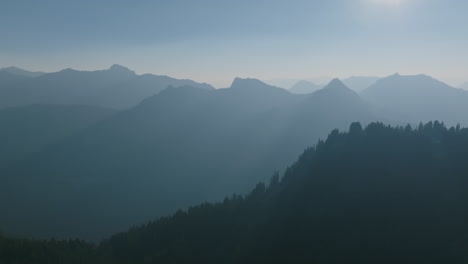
{"points": [[216, 40]]}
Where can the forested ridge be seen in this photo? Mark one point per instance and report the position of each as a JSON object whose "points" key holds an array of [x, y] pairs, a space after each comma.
{"points": [[378, 194]]}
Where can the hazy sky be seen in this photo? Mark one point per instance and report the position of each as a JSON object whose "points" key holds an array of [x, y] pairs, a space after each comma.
{"points": [[216, 40]]}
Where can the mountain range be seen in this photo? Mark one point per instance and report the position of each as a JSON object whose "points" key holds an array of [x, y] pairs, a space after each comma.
{"points": [[355, 83], [418, 98], [172, 150], [172, 144], [117, 87]]}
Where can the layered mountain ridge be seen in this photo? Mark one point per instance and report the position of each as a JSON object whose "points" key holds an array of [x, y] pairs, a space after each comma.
{"points": [[202, 142], [162, 143], [117, 87]]}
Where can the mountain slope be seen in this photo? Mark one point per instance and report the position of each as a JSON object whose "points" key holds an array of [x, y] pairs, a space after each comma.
{"points": [[334, 106], [10, 81], [373, 195], [418, 98], [181, 146], [339, 102], [26, 130], [117, 87], [336, 90]]}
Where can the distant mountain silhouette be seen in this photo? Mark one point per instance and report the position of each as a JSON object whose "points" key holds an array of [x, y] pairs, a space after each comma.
{"points": [[304, 87], [336, 86], [355, 83], [360, 83], [338, 95], [328, 108], [20, 72], [253, 84], [181, 146], [119, 69], [418, 98], [282, 83], [26, 130], [117, 87]]}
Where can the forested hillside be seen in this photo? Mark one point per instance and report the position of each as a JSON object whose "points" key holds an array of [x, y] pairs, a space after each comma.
{"points": [[373, 195]]}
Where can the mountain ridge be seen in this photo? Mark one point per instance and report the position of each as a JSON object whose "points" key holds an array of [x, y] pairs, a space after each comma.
{"points": [[20, 72], [186, 125], [411, 98], [117, 87], [141, 148]]}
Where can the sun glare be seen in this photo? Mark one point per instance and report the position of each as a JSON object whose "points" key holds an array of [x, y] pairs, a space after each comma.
{"points": [[389, 2]]}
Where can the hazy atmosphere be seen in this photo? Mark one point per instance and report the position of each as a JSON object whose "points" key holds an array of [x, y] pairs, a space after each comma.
{"points": [[214, 41], [203, 131]]}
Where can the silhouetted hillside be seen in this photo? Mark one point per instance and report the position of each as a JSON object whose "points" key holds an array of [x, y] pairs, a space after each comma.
{"points": [[373, 195], [418, 98], [337, 102], [379, 195], [183, 146], [304, 87], [336, 90], [117, 87]]}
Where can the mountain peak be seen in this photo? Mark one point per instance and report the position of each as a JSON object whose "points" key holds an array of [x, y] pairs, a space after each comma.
{"points": [[335, 90], [336, 84], [11, 68], [120, 69], [301, 82], [411, 80], [240, 83]]}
